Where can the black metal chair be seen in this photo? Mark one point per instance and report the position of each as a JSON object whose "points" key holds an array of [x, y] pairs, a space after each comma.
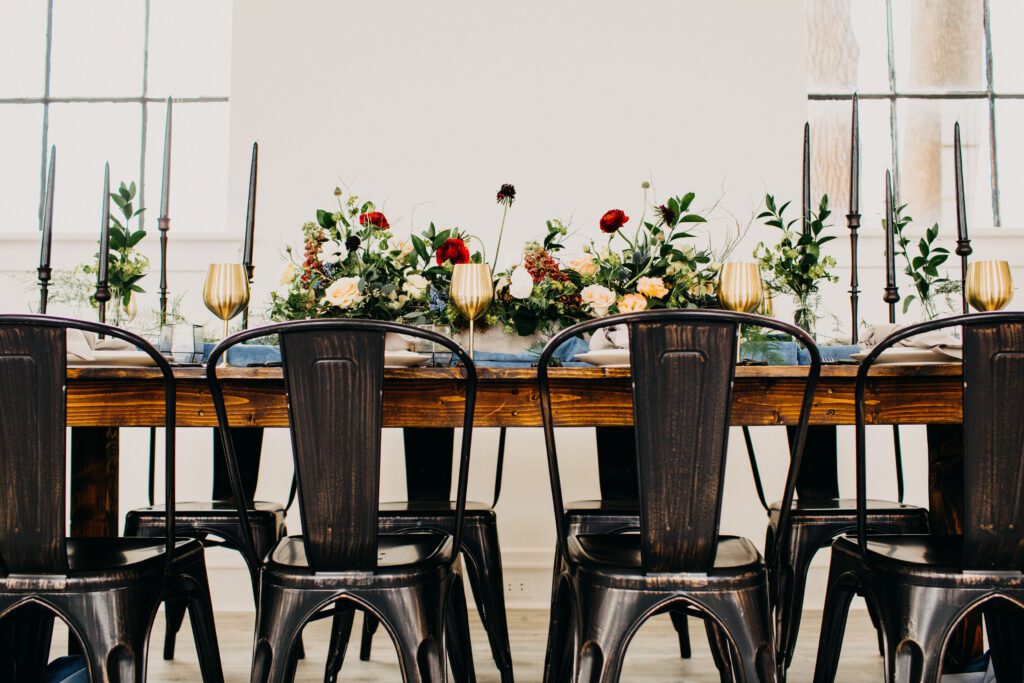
{"points": [[108, 590], [682, 366], [333, 373], [819, 516], [921, 585], [432, 510], [216, 522]]}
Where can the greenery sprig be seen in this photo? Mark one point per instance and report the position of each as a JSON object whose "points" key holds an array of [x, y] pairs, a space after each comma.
{"points": [[796, 264], [922, 268]]}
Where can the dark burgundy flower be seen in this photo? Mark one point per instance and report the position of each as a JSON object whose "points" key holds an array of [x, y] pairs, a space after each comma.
{"points": [[453, 250], [507, 194], [612, 220], [352, 243], [374, 218], [667, 215]]}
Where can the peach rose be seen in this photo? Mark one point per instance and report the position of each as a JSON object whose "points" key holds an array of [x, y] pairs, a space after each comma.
{"points": [[651, 287], [584, 265], [599, 299], [344, 293], [632, 303]]}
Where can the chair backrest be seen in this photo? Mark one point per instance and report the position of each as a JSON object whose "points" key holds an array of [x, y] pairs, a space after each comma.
{"points": [[33, 373], [993, 419], [682, 364], [334, 378]]}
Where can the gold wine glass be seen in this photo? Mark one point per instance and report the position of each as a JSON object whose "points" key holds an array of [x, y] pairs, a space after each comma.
{"points": [[226, 291], [739, 287], [472, 292], [989, 285]]}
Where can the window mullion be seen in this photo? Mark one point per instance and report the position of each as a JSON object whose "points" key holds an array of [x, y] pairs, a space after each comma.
{"points": [[46, 109], [893, 121], [990, 88]]}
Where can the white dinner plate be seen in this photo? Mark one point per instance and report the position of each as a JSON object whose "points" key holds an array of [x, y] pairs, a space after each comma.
{"points": [[112, 358], [906, 354], [606, 357], [404, 359]]}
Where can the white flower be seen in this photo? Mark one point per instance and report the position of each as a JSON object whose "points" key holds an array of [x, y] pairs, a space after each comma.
{"points": [[415, 285], [603, 252], [288, 274], [598, 298], [331, 252], [522, 283], [344, 293], [398, 302], [584, 265]]}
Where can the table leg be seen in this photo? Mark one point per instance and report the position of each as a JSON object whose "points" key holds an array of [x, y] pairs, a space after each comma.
{"points": [[946, 509], [25, 638], [819, 472], [616, 463], [94, 481], [248, 443], [428, 462]]}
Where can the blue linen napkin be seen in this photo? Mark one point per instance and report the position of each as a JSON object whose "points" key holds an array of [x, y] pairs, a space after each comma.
{"points": [[66, 670]]}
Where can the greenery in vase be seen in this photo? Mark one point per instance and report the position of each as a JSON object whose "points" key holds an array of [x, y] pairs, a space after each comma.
{"points": [[796, 264], [923, 267], [125, 266]]}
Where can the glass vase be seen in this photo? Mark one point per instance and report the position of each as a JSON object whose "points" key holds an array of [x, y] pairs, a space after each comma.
{"points": [[805, 315]]}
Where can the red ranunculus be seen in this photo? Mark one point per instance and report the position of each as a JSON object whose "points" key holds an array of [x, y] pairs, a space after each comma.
{"points": [[453, 250], [374, 218], [612, 220]]}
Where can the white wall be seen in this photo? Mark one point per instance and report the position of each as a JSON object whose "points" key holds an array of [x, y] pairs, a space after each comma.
{"points": [[429, 107]]}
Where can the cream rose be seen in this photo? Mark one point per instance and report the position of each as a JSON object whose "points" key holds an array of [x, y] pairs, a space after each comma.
{"points": [[632, 303], [288, 274], [415, 285], [344, 293], [652, 287], [599, 299], [584, 265], [521, 284]]}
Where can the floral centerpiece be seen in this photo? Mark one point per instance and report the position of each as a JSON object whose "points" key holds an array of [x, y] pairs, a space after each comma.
{"points": [[655, 268], [923, 268], [795, 264]]}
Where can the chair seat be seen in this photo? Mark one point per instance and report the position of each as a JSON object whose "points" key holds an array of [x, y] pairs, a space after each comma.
{"points": [[431, 507], [210, 508], [938, 557], [105, 562], [622, 552], [846, 506], [406, 554]]}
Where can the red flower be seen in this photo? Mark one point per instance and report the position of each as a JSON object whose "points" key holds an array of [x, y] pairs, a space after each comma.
{"points": [[374, 218], [612, 220], [453, 250]]}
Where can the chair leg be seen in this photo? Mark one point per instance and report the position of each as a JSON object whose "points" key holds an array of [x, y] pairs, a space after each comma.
{"points": [[174, 611], [745, 616], [341, 630], [1005, 625], [460, 647], [720, 650], [792, 584], [483, 566], [204, 630], [876, 622], [838, 596], [418, 637], [280, 617], [682, 631], [370, 624], [113, 628], [558, 656], [608, 618], [917, 620]]}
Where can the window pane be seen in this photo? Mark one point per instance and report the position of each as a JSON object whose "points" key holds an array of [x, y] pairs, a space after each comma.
{"points": [[1010, 137], [830, 150], [21, 139], [199, 167], [97, 48], [189, 47], [23, 43], [86, 136], [846, 46], [926, 161], [939, 45], [1007, 20]]}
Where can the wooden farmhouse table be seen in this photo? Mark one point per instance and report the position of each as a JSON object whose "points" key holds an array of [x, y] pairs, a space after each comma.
{"points": [[102, 399]]}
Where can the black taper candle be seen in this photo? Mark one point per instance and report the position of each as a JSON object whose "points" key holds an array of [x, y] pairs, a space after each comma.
{"points": [[45, 271], [853, 218], [163, 222], [102, 295], [892, 294], [250, 227], [963, 244], [806, 189]]}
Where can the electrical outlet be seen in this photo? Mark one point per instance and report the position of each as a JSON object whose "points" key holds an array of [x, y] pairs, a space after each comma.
{"points": [[519, 586]]}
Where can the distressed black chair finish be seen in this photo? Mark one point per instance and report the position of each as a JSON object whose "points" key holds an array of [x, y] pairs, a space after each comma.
{"points": [[107, 589], [428, 510], [818, 517], [921, 585], [216, 522], [334, 373], [682, 366]]}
